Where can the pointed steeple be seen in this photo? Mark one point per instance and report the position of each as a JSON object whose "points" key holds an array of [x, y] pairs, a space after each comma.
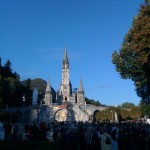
{"points": [[48, 88], [81, 86], [48, 94], [65, 61], [80, 94]]}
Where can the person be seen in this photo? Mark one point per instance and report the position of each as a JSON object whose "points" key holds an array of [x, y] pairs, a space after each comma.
{"points": [[15, 131], [99, 135], [8, 129], [114, 141], [106, 140]]}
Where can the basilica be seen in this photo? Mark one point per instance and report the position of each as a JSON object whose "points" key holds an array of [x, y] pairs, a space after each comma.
{"points": [[68, 106]]}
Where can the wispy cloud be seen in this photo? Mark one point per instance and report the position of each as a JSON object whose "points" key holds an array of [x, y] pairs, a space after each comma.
{"points": [[99, 87]]}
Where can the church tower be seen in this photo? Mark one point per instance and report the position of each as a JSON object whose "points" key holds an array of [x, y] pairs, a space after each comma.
{"points": [[80, 94], [65, 87], [48, 94]]}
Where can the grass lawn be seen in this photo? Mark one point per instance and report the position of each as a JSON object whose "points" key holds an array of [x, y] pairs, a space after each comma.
{"points": [[27, 145]]}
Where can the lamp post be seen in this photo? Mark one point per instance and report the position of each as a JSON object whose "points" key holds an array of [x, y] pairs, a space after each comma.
{"points": [[23, 104], [112, 115], [23, 99]]}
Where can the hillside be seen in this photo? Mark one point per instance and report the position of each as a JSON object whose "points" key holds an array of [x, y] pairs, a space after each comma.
{"points": [[41, 86]]}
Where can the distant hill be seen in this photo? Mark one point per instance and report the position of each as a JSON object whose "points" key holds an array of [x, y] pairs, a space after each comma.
{"points": [[41, 86]]}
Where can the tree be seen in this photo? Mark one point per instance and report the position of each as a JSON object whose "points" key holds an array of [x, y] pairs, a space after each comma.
{"points": [[107, 114], [11, 90], [122, 114], [135, 112], [127, 105], [145, 109], [93, 102], [147, 2], [133, 59], [7, 71], [1, 93], [75, 90]]}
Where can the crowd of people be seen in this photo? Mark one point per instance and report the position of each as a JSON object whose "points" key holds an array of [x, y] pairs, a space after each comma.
{"points": [[84, 135]]}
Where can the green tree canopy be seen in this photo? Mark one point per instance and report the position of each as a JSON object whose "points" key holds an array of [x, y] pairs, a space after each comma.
{"points": [[11, 90], [146, 109], [127, 105], [93, 102], [147, 2], [122, 114], [133, 59]]}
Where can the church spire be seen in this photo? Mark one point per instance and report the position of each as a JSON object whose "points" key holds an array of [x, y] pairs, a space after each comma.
{"points": [[48, 88], [80, 94], [66, 60], [48, 94], [65, 87], [80, 86]]}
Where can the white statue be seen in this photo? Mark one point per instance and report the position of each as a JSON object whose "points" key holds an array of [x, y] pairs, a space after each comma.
{"points": [[116, 117], [34, 97]]}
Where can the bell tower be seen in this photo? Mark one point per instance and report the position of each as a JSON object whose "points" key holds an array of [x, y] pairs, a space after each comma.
{"points": [[48, 94], [80, 94], [65, 87]]}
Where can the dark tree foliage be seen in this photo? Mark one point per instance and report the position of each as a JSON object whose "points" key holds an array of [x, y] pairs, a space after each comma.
{"points": [[11, 90], [145, 109], [133, 59], [93, 102], [1, 92], [6, 70], [147, 2]]}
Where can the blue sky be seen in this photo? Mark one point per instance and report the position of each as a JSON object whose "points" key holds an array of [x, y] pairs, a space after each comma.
{"points": [[34, 34]]}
